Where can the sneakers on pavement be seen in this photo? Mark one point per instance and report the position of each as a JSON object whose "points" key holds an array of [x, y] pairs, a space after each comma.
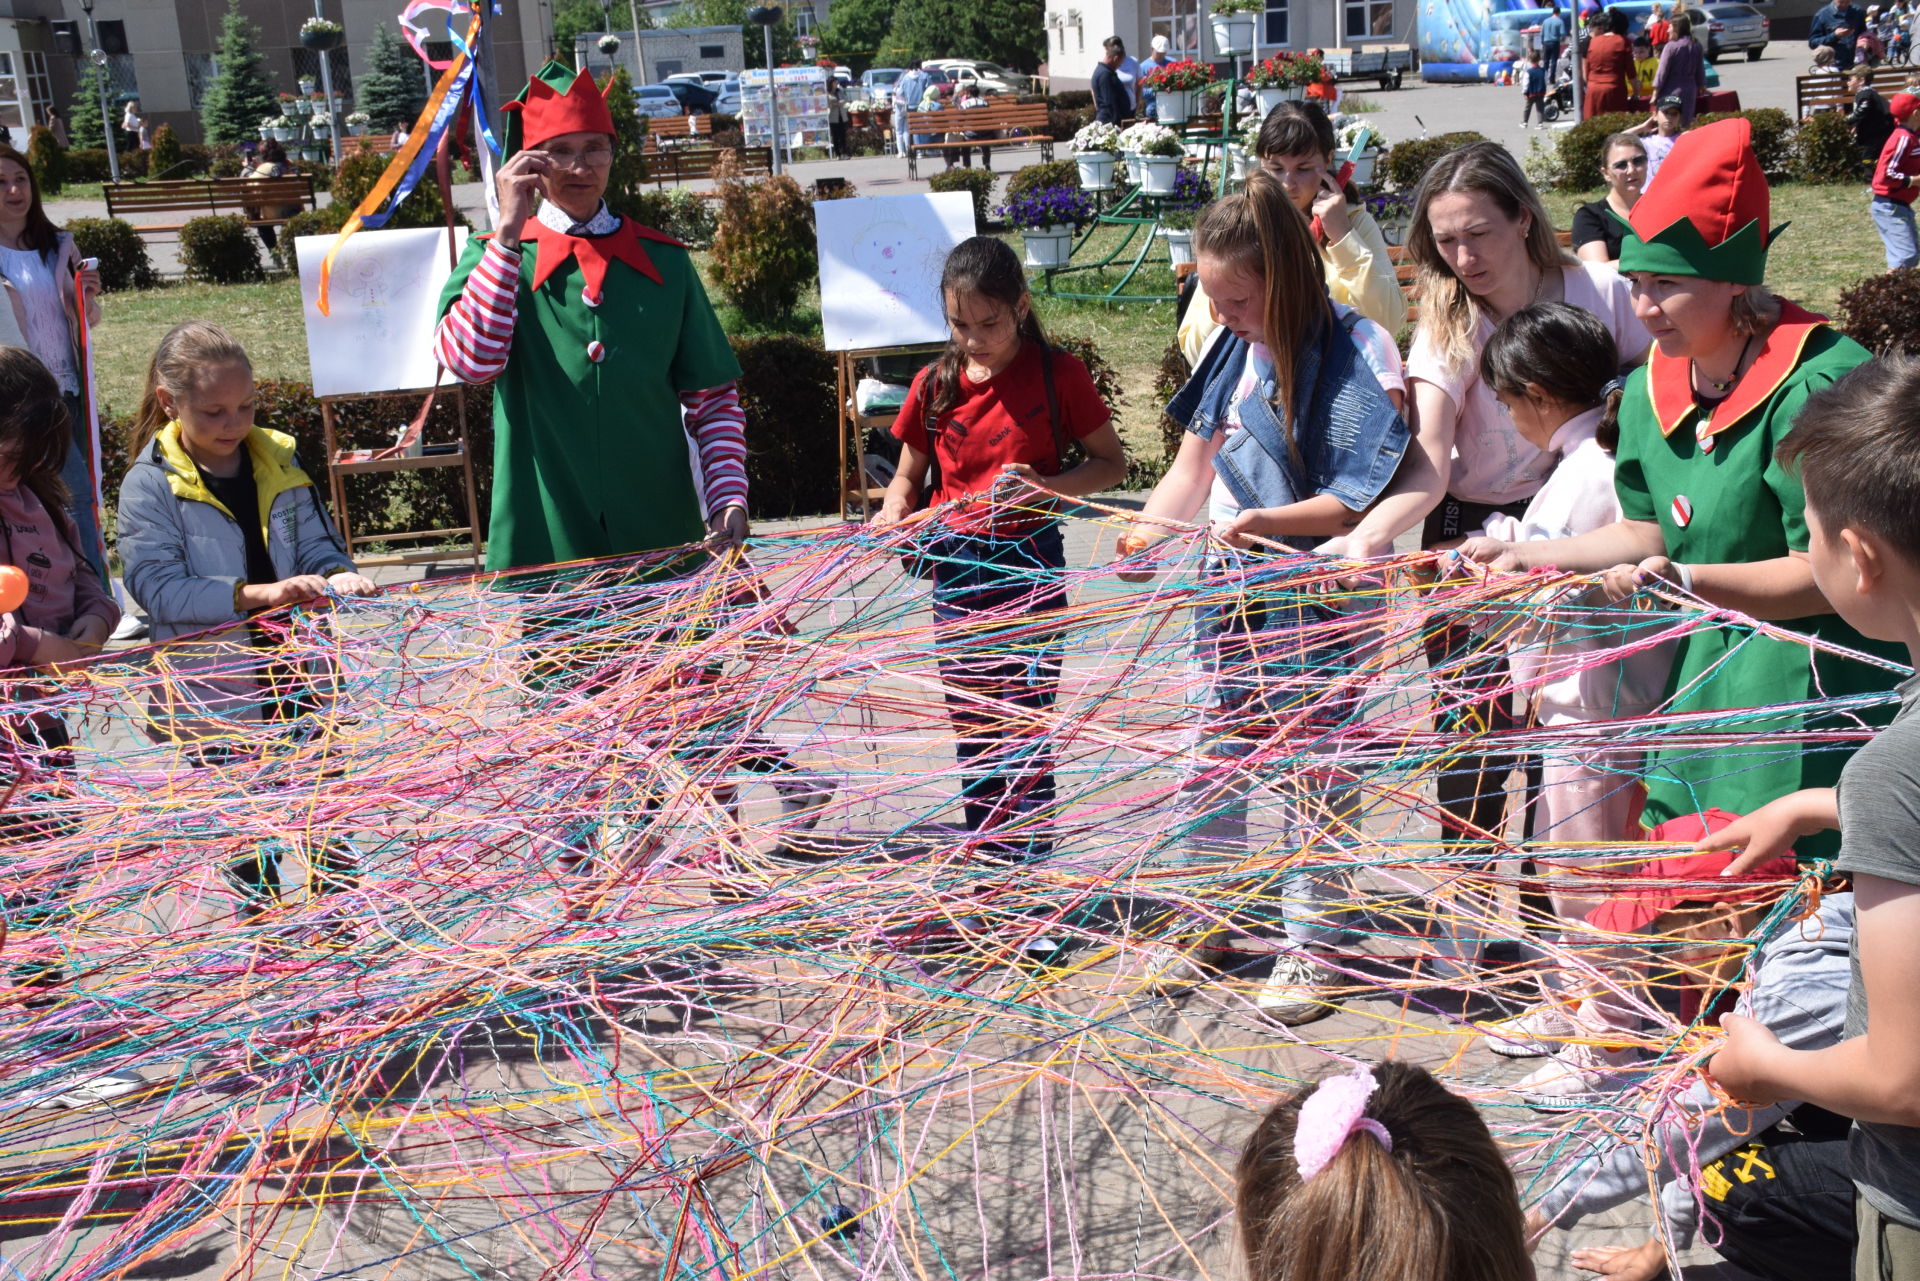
{"points": [[1532, 1033], [84, 1089], [1296, 992], [1579, 1076]]}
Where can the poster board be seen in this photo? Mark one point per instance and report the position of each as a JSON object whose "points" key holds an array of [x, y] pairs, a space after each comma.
{"points": [[385, 301], [880, 261]]}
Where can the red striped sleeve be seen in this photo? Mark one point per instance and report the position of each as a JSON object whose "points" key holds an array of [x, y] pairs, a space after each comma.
{"points": [[475, 337], [719, 431]]}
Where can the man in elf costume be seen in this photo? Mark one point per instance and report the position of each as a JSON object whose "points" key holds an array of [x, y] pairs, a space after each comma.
{"points": [[597, 335]]}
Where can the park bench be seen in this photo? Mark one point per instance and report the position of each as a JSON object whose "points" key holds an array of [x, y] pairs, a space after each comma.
{"points": [[1829, 93], [251, 198], [690, 164], [680, 130], [1012, 124]]}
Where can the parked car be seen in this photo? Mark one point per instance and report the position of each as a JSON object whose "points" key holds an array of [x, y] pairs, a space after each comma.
{"points": [[695, 99], [727, 99], [656, 100], [1732, 28], [876, 84], [987, 77]]}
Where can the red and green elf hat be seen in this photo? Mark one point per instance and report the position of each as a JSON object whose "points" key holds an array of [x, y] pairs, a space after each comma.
{"points": [[1707, 215], [555, 101]]}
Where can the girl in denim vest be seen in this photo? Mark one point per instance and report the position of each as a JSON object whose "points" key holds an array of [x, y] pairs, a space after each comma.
{"points": [[1293, 430]]}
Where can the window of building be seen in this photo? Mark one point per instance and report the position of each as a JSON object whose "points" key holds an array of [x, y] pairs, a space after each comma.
{"points": [[1179, 22], [122, 82], [1368, 19], [39, 84], [113, 36], [13, 107], [668, 67], [713, 52], [306, 62], [201, 68], [1274, 30]]}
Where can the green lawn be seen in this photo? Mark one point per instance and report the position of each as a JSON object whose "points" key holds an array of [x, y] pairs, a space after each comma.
{"points": [[1830, 244]]}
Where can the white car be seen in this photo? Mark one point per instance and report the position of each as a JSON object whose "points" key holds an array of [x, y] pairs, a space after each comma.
{"points": [[655, 100], [987, 77], [727, 103]]}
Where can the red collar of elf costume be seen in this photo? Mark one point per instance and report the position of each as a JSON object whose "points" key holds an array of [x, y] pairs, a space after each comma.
{"points": [[595, 253], [1670, 379]]}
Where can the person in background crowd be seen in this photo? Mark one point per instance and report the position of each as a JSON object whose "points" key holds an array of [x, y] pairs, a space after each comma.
{"points": [[837, 118], [1129, 72], [1155, 60], [970, 99], [1659, 30], [1611, 79], [1835, 26], [1893, 189], [1683, 71], [1871, 119], [1825, 62], [270, 161], [1553, 35], [133, 123], [57, 127], [1112, 100], [1597, 229], [907, 92], [1658, 134], [1533, 84]]}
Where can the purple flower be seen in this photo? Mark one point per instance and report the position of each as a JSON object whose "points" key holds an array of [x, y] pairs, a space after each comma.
{"points": [[1047, 207]]}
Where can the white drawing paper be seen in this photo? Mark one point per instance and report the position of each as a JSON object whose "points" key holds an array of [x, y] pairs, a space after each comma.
{"points": [[880, 261], [384, 301]]}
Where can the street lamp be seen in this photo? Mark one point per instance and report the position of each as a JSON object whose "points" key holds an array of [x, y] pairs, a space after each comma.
{"points": [[99, 61], [766, 15]]}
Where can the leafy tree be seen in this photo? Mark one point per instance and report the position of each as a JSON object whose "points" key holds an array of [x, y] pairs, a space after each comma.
{"points": [[83, 122], [392, 89], [571, 18], [239, 96], [624, 184], [733, 13], [856, 32], [1010, 32]]}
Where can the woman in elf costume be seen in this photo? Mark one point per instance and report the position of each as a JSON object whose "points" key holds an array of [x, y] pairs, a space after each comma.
{"points": [[596, 334], [1705, 505]]}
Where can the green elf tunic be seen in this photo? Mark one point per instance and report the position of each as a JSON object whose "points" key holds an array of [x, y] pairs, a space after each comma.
{"points": [[590, 459], [1711, 482]]}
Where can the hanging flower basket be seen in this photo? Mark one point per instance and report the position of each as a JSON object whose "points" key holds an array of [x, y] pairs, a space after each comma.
{"points": [[1158, 174], [321, 35], [608, 44], [1233, 33], [1179, 245], [1096, 169], [1049, 247]]}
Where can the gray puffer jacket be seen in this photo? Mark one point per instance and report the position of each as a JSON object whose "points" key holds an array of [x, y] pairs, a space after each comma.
{"points": [[182, 555]]}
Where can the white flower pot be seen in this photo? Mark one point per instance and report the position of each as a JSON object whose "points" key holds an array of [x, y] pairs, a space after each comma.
{"points": [[1269, 98], [1048, 247], [1159, 173], [1130, 166], [1232, 33], [1241, 162], [1179, 245], [1096, 169], [1174, 106], [357, 130], [1363, 166]]}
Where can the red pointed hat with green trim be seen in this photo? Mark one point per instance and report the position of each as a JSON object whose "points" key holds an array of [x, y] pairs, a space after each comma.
{"points": [[555, 101], [1708, 214]]}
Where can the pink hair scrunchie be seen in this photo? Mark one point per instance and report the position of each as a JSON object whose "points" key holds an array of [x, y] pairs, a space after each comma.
{"points": [[1331, 1114]]}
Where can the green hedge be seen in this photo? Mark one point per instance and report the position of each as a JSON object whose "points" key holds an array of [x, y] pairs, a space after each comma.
{"points": [[124, 263], [1580, 148], [977, 183], [1406, 163]]}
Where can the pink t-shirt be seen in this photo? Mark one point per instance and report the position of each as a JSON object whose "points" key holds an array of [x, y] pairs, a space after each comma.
{"points": [[1493, 463], [60, 586]]}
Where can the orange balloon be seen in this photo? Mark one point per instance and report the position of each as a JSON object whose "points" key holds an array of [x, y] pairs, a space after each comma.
{"points": [[13, 588]]}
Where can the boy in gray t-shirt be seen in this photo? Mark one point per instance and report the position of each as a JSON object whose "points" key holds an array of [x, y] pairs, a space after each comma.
{"points": [[1857, 446]]}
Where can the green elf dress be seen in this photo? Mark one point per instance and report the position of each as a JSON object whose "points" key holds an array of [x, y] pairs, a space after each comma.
{"points": [[607, 327], [1707, 475]]}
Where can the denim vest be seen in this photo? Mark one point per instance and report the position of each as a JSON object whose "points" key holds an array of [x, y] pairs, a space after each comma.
{"points": [[1349, 436]]}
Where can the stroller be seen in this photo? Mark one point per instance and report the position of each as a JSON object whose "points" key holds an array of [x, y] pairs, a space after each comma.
{"points": [[1559, 99]]}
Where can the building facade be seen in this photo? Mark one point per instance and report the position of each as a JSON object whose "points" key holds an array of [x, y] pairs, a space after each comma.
{"points": [[1076, 29], [161, 52]]}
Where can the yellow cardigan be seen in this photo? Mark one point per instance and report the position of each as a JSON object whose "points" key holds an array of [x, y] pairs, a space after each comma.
{"points": [[1359, 274]]}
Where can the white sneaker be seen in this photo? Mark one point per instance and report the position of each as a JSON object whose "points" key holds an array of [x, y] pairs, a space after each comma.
{"points": [[1580, 1076], [85, 1089], [1296, 992], [1531, 1033], [132, 627]]}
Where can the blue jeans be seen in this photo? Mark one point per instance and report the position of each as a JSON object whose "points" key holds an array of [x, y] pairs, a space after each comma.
{"points": [[1895, 222], [78, 476]]}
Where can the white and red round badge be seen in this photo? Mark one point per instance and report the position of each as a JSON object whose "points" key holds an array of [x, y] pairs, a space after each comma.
{"points": [[1682, 510], [1705, 437], [589, 297], [596, 351]]}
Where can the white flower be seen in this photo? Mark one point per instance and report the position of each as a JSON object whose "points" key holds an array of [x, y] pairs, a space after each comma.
{"points": [[1097, 137], [1350, 134], [312, 25], [359, 118], [1149, 139]]}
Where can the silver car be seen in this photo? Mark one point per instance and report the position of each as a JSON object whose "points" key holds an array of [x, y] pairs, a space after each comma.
{"points": [[655, 100], [1731, 28]]}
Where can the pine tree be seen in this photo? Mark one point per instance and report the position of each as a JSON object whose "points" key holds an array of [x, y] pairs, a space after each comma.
{"points": [[238, 97], [83, 120], [392, 90]]}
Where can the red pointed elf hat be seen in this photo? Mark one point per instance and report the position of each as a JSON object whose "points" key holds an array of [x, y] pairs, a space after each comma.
{"points": [[556, 101], [1708, 217]]}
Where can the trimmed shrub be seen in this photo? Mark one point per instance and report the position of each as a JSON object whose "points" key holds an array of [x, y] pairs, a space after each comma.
{"points": [[1824, 150], [1063, 123], [1772, 136], [1406, 163], [165, 159], [762, 256], [1059, 173], [123, 255], [226, 163], [48, 160], [786, 394], [362, 168], [308, 222], [134, 164], [977, 183], [679, 212], [1882, 313], [866, 140], [88, 164], [1071, 99], [220, 249]]}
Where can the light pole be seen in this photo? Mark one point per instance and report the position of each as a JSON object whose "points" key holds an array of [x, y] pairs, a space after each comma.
{"points": [[639, 65], [99, 61], [326, 87], [766, 15]]}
